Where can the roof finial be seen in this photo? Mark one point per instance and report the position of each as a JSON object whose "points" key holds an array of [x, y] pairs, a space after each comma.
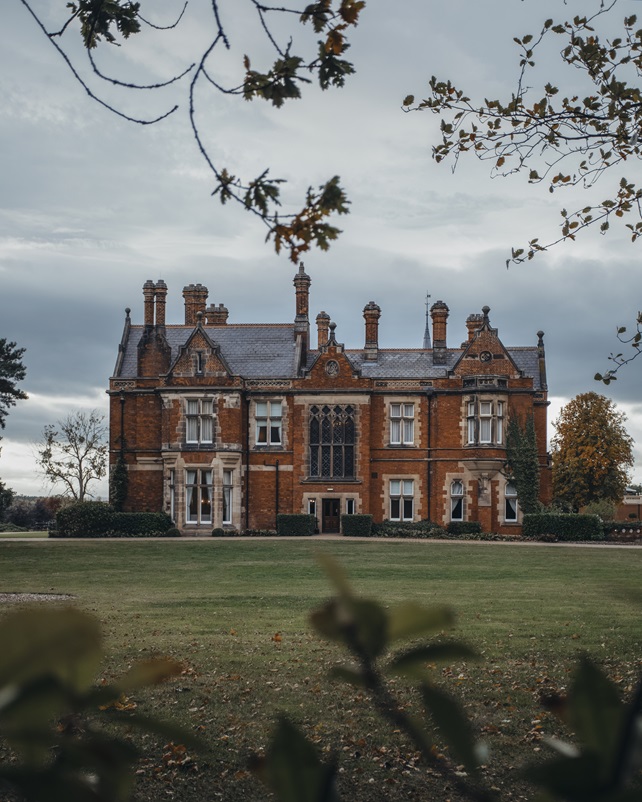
{"points": [[427, 328]]}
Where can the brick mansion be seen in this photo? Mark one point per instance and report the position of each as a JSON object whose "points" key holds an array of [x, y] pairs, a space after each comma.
{"points": [[226, 425]]}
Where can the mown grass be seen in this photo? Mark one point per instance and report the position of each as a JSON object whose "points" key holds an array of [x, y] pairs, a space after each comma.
{"points": [[530, 611]]}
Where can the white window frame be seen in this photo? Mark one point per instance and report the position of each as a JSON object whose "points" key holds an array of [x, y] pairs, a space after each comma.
{"points": [[350, 506], [510, 499], [172, 494], [199, 493], [228, 496], [484, 422], [457, 499], [268, 416], [402, 499], [199, 421], [402, 424]]}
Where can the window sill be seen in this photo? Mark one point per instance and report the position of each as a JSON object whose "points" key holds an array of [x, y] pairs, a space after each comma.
{"points": [[329, 480]]}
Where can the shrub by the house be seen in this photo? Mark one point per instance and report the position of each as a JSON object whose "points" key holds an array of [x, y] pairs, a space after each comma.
{"points": [[356, 525], [289, 525]]}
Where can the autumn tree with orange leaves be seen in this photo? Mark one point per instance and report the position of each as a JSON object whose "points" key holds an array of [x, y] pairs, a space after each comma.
{"points": [[591, 450]]}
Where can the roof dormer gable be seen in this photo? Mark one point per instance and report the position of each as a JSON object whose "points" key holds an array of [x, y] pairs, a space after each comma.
{"points": [[200, 356], [485, 354]]}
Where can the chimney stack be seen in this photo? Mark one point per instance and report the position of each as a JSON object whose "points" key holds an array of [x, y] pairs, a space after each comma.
{"points": [[302, 283], [439, 314], [195, 296], [372, 313], [323, 328], [216, 315], [161, 297], [149, 291], [473, 324]]}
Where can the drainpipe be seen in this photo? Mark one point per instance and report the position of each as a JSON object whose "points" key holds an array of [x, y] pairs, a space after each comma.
{"points": [[276, 492], [247, 463], [429, 460], [122, 424]]}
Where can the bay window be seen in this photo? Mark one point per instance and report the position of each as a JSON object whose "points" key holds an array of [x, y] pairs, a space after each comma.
{"points": [[198, 496], [485, 421]]}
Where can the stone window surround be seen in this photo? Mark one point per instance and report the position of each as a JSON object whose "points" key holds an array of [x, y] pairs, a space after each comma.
{"points": [[285, 415], [418, 493], [223, 462], [388, 401], [476, 399]]}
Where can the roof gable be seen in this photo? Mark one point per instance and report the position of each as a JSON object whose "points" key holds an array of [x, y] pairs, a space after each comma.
{"points": [[485, 354], [200, 356]]}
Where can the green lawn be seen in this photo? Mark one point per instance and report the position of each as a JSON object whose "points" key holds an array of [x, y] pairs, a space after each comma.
{"points": [[217, 605]]}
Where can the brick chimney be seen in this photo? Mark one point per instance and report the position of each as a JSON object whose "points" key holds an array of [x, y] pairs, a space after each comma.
{"points": [[216, 315], [372, 313], [473, 324], [323, 327], [195, 296], [541, 357], [439, 314], [302, 283], [149, 291], [161, 298]]}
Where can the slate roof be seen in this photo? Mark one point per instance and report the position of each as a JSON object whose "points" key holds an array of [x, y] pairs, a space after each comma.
{"points": [[264, 351], [251, 351]]}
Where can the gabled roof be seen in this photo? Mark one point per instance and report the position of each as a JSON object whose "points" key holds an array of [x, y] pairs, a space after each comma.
{"points": [[251, 351], [268, 351]]}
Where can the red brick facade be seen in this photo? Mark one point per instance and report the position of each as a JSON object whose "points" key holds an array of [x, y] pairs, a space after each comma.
{"points": [[226, 425]]}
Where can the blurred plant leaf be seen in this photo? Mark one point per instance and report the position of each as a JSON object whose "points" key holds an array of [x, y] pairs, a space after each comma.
{"points": [[292, 769], [410, 620], [451, 721], [413, 662], [360, 624], [65, 643]]}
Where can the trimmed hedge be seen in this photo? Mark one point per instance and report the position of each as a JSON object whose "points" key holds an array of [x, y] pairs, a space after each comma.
{"points": [[98, 519], [83, 519], [463, 528], [290, 525], [416, 529], [564, 527], [356, 525], [219, 532]]}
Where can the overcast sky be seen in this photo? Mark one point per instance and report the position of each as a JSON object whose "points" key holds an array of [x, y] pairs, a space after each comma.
{"points": [[92, 206]]}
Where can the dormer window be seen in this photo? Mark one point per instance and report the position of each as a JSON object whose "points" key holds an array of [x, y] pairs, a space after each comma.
{"points": [[199, 363]]}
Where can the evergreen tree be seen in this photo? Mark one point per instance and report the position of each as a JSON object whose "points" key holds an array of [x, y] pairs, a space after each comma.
{"points": [[522, 464], [12, 371]]}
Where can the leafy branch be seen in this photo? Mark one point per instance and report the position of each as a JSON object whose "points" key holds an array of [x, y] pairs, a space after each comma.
{"points": [[634, 340], [560, 140], [110, 21], [600, 767]]}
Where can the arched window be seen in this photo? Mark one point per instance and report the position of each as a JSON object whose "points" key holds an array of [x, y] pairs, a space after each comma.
{"points": [[332, 438], [510, 505], [457, 500]]}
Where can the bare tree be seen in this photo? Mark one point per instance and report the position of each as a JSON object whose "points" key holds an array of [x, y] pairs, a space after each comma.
{"points": [[295, 65], [73, 453]]}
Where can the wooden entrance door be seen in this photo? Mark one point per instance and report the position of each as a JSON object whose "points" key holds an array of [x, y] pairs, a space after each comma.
{"points": [[330, 515]]}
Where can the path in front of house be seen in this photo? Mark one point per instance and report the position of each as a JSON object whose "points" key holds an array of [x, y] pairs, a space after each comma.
{"points": [[329, 537]]}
